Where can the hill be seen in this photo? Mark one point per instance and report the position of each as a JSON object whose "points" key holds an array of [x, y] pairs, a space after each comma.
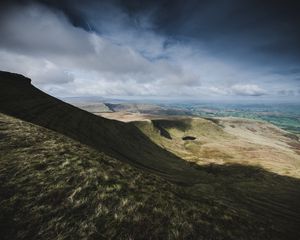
{"points": [[123, 141], [227, 140], [68, 174]]}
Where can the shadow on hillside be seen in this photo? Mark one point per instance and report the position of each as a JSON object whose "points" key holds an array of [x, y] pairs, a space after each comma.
{"points": [[267, 196], [182, 125]]}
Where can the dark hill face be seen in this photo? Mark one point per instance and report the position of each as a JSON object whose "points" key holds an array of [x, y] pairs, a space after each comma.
{"points": [[8, 78], [126, 142]]}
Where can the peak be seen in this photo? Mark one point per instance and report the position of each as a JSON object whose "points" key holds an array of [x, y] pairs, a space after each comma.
{"points": [[13, 78]]}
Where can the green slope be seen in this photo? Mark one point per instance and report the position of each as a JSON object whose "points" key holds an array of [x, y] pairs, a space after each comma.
{"points": [[62, 182]]}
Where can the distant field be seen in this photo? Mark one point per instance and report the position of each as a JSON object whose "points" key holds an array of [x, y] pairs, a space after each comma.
{"points": [[285, 116]]}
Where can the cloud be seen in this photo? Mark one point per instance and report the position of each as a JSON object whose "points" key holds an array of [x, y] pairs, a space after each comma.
{"points": [[33, 29], [247, 90], [288, 92], [40, 70], [44, 46], [110, 50]]}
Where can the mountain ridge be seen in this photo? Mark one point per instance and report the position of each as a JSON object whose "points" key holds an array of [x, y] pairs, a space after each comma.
{"points": [[31, 104]]}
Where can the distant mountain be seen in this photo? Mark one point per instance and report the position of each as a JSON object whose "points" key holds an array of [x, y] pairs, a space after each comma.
{"points": [[133, 107]]}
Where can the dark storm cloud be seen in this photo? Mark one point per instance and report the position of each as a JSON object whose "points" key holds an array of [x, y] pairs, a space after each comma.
{"points": [[232, 47], [251, 31], [266, 31]]}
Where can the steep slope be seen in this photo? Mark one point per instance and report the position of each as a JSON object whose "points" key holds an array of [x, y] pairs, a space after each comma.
{"points": [[125, 142], [133, 107], [97, 107]]}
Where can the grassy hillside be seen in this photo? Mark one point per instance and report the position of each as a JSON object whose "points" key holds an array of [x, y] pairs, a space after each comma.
{"points": [[57, 183], [227, 140], [53, 187]]}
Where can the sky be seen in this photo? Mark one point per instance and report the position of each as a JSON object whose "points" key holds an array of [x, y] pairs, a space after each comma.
{"points": [[193, 49]]}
